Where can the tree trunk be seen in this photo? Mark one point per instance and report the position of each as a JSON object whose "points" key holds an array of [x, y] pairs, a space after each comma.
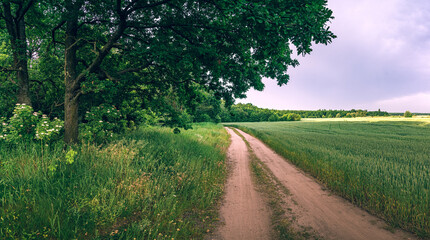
{"points": [[71, 118], [22, 64], [72, 79], [71, 97], [16, 29]]}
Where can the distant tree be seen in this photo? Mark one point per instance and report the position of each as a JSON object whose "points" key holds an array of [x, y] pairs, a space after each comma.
{"points": [[273, 118], [407, 114]]}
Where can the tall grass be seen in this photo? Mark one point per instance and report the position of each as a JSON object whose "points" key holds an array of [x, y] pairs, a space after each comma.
{"points": [[151, 184], [381, 166]]}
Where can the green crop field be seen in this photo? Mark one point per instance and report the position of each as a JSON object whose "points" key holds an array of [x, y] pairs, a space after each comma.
{"points": [[380, 164], [150, 184]]}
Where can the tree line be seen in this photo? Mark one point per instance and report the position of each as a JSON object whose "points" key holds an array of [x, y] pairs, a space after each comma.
{"points": [[250, 113]]}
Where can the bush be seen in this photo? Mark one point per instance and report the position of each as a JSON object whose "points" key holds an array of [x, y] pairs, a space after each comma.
{"points": [[147, 117], [101, 123], [179, 119], [28, 125], [296, 117], [273, 118], [290, 117], [203, 118], [407, 114]]}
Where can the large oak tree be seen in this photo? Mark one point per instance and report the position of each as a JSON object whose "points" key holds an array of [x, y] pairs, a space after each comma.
{"points": [[226, 47]]}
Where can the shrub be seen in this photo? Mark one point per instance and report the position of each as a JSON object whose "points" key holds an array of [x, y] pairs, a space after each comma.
{"points": [[203, 118], [147, 117], [179, 119], [284, 117], [273, 118], [25, 124], [47, 130], [101, 123], [296, 117], [407, 114], [290, 117]]}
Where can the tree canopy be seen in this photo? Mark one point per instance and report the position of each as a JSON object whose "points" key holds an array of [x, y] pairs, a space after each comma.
{"points": [[136, 52]]}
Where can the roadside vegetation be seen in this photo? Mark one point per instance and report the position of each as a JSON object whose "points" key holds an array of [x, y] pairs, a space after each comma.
{"points": [[380, 166], [148, 184]]}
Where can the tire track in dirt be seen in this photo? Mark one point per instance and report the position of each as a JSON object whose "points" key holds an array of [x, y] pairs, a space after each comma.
{"points": [[244, 214], [329, 216]]}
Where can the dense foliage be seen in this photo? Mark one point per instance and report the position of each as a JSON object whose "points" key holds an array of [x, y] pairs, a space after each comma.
{"points": [[250, 113], [381, 166], [27, 125], [175, 58]]}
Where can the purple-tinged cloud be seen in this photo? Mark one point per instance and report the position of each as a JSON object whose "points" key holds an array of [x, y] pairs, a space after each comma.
{"points": [[381, 59]]}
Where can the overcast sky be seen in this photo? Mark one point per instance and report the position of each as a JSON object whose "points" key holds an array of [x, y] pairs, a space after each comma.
{"points": [[380, 59]]}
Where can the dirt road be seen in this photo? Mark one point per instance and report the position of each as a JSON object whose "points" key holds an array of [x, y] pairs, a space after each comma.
{"points": [[244, 214], [329, 216]]}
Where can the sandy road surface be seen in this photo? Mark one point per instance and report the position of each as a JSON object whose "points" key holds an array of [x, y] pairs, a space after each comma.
{"points": [[330, 216], [244, 214]]}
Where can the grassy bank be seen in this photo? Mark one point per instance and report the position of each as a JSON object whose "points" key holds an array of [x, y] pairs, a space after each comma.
{"points": [[381, 166], [151, 184]]}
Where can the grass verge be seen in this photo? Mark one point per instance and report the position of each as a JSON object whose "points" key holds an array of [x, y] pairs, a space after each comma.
{"points": [[151, 184]]}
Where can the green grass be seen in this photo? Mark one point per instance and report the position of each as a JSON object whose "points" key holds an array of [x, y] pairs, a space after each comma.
{"points": [[151, 184], [381, 166]]}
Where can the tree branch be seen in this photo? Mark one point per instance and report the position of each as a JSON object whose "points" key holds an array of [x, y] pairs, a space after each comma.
{"points": [[96, 21], [3, 69], [9, 20], [108, 76], [134, 69], [182, 35], [24, 11], [133, 9], [55, 29], [103, 52]]}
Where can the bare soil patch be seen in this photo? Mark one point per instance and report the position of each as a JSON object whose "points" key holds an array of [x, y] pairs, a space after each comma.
{"points": [[243, 214]]}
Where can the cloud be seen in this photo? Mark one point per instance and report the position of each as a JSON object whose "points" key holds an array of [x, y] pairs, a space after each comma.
{"points": [[382, 52], [419, 103]]}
